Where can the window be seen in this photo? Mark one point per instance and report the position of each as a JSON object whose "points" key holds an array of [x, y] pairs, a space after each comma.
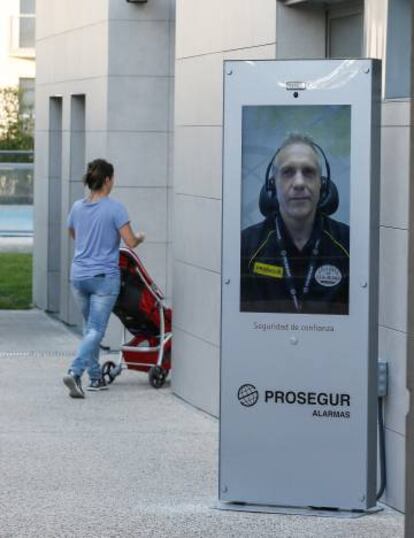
{"points": [[27, 86], [27, 24], [26, 32], [27, 7]]}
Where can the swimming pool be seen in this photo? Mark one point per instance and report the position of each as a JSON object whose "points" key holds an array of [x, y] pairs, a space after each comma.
{"points": [[16, 220]]}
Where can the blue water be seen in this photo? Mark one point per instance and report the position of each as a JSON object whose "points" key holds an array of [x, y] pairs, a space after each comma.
{"points": [[16, 220]]}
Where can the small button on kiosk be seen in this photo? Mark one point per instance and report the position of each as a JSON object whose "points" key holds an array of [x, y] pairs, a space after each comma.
{"points": [[298, 398]]}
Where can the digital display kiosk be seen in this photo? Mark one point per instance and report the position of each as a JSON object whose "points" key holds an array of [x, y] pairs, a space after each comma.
{"points": [[300, 283]]}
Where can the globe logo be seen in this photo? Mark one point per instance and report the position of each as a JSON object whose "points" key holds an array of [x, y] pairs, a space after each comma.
{"points": [[248, 395]]}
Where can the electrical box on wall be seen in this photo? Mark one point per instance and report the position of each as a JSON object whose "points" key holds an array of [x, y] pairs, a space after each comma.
{"points": [[300, 283]]}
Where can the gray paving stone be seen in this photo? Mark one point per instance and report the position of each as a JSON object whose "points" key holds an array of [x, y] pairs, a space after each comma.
{"points": [[128, 462]]}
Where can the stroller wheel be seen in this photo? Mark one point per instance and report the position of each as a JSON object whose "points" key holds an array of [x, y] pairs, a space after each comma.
{"points": [[107, 370], [157, 376]]}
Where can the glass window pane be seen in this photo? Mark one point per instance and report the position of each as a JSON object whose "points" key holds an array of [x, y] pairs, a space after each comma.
{"points": [[27, 32], [27, 7], [27, 86]]}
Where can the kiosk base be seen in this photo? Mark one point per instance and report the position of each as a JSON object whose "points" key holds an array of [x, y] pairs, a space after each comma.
{"points": [[296, 510]]}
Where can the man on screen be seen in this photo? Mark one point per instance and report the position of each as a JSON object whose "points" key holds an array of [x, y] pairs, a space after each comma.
{"points": [[297, 259]]}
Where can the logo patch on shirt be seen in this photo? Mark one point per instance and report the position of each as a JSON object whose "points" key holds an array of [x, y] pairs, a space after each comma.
{"points": [[328, 276], [265, 269]]}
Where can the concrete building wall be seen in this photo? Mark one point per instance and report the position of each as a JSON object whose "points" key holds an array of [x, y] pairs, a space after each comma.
{"points": [[72, 49], [393, 306], [140, 129], [140, 125], [394, 221], [108, 66], [207, 33]]}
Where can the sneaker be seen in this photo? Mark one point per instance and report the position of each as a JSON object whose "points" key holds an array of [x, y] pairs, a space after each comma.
{"points": [[97, 384], [73, 382]]}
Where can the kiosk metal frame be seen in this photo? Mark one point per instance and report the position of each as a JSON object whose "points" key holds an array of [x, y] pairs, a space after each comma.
{"points": [[282, 441]]}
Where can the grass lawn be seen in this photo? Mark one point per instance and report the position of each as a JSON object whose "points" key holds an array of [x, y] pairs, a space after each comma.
{"points": [[15, 281]]}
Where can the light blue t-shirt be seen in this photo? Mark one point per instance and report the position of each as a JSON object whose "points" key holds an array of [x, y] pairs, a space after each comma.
{"points": [[97, 236]]}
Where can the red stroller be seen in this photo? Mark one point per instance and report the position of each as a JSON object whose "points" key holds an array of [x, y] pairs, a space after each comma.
{"points": [[142, 312]]}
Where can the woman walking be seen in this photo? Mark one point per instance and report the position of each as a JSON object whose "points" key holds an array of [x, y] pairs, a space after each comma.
{"points": [[96, 223]]}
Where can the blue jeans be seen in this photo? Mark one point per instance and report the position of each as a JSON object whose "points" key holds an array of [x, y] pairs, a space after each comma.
{"points": [[96, 297]]}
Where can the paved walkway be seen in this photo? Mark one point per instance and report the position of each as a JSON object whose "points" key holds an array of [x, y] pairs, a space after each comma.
{"points": [[129, 462]]}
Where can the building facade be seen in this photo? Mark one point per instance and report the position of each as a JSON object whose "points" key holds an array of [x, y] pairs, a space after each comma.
{"points": [[17, 45], [93, 63], [141, 84]]}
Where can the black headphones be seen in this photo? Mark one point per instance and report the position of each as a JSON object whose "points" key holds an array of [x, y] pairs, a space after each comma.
{"points": [[328, 200]]}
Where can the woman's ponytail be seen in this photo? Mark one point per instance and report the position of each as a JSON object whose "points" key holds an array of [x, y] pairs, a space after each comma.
{"points": [[96, 173]]}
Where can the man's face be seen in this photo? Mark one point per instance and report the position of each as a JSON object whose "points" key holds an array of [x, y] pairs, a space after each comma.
{"points": [[298, 181]]}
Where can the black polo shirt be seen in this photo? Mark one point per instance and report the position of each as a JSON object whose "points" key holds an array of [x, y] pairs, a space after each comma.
{"points": [[265, 285]]}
